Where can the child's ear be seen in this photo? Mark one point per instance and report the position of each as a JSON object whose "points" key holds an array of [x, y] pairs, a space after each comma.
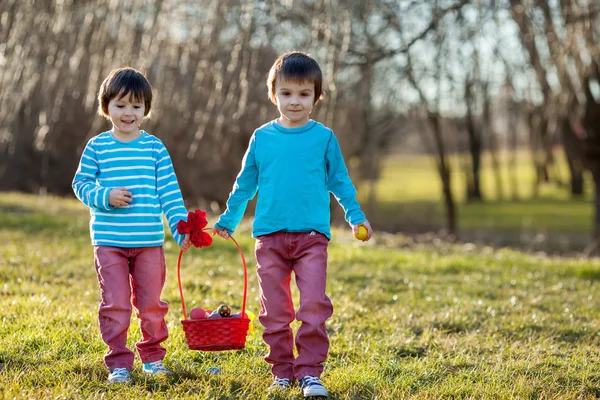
{"points": [[319, 98]]}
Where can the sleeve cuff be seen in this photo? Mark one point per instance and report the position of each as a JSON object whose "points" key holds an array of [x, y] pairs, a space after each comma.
{"points": [[178, 237], [106, 196], [221, 227]]}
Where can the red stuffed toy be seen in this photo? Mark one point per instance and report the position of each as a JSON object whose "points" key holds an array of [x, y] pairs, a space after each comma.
{"points": [[194, 226]]}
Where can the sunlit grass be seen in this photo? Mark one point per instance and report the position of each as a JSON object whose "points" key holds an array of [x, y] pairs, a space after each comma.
{"points": [[410, 321], [409, 194]]}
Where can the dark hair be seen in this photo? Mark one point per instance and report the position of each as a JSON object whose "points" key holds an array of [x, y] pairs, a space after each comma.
{"points": [[296, 67], [120, 82]]}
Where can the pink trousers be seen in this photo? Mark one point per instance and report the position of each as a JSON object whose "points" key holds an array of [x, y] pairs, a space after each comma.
{"points": [[305, 254], [131, 276]]}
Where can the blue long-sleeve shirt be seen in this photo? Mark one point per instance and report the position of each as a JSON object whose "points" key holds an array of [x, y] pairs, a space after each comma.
{"points": [[144, 167], [293, 170]]}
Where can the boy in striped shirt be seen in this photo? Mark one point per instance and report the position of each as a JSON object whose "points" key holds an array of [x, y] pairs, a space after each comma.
{"points": [[126, 178]]}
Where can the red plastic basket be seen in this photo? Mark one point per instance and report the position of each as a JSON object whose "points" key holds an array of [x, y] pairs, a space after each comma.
{"points": [[216, 334]]}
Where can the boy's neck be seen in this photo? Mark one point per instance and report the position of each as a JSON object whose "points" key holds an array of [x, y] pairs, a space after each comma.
{"points": [[126, 136], [286, 124]]}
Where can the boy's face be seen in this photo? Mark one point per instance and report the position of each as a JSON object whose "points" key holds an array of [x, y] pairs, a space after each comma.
{"points": [[126, 115], [294, 102]]}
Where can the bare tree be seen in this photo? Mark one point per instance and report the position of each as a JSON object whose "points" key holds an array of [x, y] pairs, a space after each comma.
{"points": [[432, 110], [381, 58]]}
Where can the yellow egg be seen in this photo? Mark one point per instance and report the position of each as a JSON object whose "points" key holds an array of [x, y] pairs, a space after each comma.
{"points": [[362, 233], [251, 317]]}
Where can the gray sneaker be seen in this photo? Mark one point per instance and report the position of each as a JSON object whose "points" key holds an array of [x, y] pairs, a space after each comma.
{"points": [[280, 384], [312, 387], [119, 375]]}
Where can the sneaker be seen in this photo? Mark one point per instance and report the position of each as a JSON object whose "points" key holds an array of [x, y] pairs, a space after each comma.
{"points": [[155, 368], [280, 383], [312, 386], [119, 375]]}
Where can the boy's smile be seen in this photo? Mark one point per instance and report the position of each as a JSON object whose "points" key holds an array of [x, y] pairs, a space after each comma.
{"points": [[126, 115], [294, 102]]}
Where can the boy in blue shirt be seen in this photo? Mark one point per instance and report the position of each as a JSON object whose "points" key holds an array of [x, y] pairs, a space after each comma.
{"points": [[293, 163], [126, 178]]}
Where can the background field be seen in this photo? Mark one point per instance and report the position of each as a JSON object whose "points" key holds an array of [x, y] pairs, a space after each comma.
{"points": [[420, 322], [409, 194]]}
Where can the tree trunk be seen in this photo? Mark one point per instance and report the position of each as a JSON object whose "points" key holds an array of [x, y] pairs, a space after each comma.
{"points": [[474, 134], [445, 176], [573, 153], [593, 249], [541, 143], [577, 181], [513, 142], [370, 140], [493, 142], [596, 175], [591, 124]]}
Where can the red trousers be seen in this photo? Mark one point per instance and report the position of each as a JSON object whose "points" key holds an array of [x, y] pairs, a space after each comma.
{"points": [[131, 276], [278, 255]]}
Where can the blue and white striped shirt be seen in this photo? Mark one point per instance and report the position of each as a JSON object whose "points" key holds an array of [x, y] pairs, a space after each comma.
{"points": [[144, 167]]}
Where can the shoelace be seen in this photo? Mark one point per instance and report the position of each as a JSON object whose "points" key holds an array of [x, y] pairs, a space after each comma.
{"points": [[311, 380], [157, 366], [120, 373], [282, 382]]}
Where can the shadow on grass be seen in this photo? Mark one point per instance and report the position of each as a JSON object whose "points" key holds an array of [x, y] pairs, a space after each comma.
{"points": [[450, 328], [425, 380], [408, 352], [546, 223], [8, 362], [591, 387], [358, 393], [570, 335], [590, 392], [15, 209], [161, 383], [92, 373], [532, 332], [590, 273]]}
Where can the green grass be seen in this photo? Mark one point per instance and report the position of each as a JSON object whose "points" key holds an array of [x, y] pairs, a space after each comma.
{"points": [[410, 322], [409, 193]]}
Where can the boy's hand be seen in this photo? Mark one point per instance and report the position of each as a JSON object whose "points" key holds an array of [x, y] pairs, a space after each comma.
{"points": [[186, 244], [367, 226], [119, 197], [221, 232]]}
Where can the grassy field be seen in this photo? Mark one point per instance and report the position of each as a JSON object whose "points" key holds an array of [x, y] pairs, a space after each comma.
{"points": [[410, 322], [409, 193]]}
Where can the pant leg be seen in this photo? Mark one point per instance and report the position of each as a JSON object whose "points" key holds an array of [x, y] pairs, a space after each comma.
{"points": [[114, 312], [274, 271], [148, 272], [310, 268]]}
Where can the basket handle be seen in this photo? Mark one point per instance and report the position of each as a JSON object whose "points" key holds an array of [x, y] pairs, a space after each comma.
{"points": [[245, 278]]}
